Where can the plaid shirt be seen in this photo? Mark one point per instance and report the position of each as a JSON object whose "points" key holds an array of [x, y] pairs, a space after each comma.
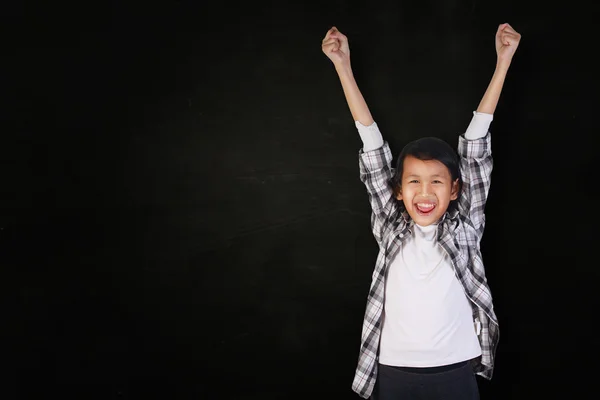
{"points": [[459, 233]]}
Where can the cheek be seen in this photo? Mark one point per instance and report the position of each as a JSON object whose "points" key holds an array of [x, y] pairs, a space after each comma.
{"points": [[448, 190], [444, 193], [407, 194]]}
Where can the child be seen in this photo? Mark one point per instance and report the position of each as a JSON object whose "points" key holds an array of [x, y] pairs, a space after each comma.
{"points": [[429, 324]]}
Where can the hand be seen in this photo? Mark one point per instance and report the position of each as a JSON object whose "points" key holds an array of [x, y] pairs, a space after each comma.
{"points": [[335, 46], [507, 41]]}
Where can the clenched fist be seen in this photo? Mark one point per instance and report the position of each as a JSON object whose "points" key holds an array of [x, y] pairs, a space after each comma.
{"points": [[335, 46], [507, 41]]}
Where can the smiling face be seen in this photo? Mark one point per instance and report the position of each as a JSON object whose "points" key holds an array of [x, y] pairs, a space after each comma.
{"points": [[427, 189]]}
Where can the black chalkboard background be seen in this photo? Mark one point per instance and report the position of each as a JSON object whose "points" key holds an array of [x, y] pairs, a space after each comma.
{"points": [[181, 215]]}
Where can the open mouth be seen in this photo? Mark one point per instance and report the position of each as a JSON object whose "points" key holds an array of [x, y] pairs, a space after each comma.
{"points": [[424, 209]]}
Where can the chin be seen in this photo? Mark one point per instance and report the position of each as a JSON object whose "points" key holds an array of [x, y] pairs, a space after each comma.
{"points": [[425, 220]]}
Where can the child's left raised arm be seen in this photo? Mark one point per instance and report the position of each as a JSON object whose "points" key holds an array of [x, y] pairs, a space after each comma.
{"points": [[474, 147], [507, 41]]}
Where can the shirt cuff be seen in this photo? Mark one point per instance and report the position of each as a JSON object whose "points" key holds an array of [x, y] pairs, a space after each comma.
{"points": [[370, 136], [475, 148], [479, 126]]}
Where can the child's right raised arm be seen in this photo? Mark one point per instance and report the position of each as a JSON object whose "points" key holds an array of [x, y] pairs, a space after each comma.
{"points": [[336, 48], [375, 158]]}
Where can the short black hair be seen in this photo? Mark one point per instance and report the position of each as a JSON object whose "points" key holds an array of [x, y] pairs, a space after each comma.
{"points": [[429, 148]]}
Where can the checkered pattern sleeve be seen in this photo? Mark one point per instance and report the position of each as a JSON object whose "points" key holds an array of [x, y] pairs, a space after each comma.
{"points": [[376, 173], [476, 169]]}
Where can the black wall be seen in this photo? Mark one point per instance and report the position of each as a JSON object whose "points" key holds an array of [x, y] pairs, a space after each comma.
{"points": [[181, 214]]}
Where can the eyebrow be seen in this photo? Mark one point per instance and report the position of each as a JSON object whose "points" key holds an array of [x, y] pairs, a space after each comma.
{"points": [[417, 176]]}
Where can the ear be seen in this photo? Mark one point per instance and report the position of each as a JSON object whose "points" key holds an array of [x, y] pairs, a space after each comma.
{"points": [[454, 190], [399, 194]]}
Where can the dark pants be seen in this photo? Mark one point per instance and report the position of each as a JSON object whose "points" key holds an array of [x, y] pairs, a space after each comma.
{"points": [[451, 382]]}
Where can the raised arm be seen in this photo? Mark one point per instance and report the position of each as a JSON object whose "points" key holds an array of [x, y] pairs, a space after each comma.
{"points": [[375, 158], [474, 147], [336, 48], [507, 41]]}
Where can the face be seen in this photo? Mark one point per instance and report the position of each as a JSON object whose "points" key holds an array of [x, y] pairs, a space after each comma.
{"points": [[427, 189]]}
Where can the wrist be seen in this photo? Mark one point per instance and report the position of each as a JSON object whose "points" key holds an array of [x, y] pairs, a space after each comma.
{"points": [[344, 69], [502, 66]]}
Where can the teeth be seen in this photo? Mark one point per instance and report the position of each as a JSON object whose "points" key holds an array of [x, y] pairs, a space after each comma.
{"points": [[425, 205]]}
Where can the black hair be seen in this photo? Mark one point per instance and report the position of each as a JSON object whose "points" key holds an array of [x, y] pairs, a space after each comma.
{"points": [[429, 148]]}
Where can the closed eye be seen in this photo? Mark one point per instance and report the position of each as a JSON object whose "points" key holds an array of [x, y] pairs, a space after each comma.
{"points": [[437, 181], [413, 181]]}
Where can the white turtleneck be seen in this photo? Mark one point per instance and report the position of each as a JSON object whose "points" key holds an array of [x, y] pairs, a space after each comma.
{"points": [[428, 320]]}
